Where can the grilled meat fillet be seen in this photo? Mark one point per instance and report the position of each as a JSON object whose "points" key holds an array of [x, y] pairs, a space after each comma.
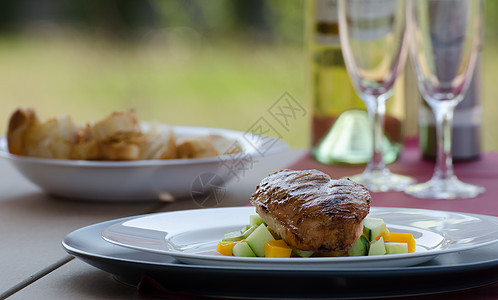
{"points": [[311, 211]]}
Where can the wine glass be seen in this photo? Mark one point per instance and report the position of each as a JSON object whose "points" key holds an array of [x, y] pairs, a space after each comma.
{"points": [[374, 46], [445, 43]]}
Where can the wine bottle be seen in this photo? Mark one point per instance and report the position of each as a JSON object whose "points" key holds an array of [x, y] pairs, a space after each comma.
{"points": [[340, 125]]}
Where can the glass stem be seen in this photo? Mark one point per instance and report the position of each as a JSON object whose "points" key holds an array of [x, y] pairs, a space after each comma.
{"points": [[444, 123], [376, 107]]}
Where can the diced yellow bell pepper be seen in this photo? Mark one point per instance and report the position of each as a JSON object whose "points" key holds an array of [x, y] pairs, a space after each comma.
{"points": [[225, 248], [384, 235], [403, 238], [277, 248]]}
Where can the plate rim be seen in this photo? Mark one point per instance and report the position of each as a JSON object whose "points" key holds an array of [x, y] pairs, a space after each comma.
{"points": [[246, 261], [86, 245], [67, 241]]}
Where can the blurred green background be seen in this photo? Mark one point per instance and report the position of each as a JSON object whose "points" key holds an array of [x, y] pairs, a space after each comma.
{"points": [[219, 63]]}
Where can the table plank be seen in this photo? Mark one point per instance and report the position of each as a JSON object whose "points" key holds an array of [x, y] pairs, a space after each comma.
{"points": [[32, 224], [77, 280]]}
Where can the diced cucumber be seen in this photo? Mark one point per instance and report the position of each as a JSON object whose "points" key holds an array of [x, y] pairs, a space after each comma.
{"points": [[233, 236], [245, 228], [377, 247], [302, 253], [360, 247], [250, 230], [255, 220], [258, 238], [373, 227], [396, 248], [243, 249]]}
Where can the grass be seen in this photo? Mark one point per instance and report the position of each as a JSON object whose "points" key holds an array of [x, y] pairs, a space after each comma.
{"points": [[200, 82], [175, 79]]}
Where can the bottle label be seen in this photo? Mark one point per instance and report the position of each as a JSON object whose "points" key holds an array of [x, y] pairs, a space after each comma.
{"points": [[326, 11], [327, 24]]}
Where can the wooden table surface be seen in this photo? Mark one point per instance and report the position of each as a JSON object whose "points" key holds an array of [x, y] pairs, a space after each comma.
{"points": [[33, 263]]}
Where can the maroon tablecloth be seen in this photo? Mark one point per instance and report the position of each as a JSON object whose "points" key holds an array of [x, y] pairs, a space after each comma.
{"points": [[483, 172]]}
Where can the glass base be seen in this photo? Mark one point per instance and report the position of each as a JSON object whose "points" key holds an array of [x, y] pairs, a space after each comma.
{"points": [[382, 181], [451, 188]]}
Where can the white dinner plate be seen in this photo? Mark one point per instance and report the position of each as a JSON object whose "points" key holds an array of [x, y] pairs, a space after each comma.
{"points": [[145, 179], [191, 237]]}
